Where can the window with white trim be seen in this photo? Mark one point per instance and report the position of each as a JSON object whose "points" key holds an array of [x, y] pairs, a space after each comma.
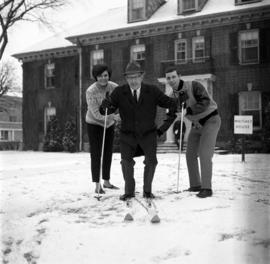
{"points": [[198, 49], [137, 52], [49, 112], [49, 75], [137, 10], [250, 103], [180, 51], [13, 118], [5, 135], [242, 2], [249, 47], [96, 57], [189, 5]]}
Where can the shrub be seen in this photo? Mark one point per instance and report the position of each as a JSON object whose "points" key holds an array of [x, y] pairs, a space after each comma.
{"points": [[70, 136], [53, 137]]}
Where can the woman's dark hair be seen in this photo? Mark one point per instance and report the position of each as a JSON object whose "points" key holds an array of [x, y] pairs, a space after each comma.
{"points": [[98, 69]]}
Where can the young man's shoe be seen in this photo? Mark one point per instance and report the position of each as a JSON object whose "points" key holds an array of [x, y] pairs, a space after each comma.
{"points": [[194, 189], [148, 195], [111, 186], [125, 197], [205, 193]]}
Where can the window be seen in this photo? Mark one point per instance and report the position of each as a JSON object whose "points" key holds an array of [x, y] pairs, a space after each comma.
{"points": [[249, 47], [242, 2], [96, 57], [4, 135], [137, 10], [180, 48], [49, 75], [188, 5], [12, 118], [250, 104], [137, 52], [198, 49], [49, 112]]}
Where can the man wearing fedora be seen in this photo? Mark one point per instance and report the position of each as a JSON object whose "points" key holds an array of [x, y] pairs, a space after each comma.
{"points": [[137, 103]]}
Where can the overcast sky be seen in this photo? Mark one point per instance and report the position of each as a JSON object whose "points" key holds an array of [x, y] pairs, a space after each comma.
{"points": [[25, 34]]}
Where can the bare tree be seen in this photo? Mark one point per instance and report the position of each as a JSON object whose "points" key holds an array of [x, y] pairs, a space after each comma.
{"points": [[12, 11], [8, 77]]}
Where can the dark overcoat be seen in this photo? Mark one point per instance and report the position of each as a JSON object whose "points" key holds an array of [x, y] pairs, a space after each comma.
{"points": [[138, 118]]}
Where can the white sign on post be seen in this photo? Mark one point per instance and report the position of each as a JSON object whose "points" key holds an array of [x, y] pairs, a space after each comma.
{"points": [[243, 124]]}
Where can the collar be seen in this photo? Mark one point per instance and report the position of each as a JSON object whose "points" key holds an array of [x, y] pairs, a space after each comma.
{"points": [[138, 90]]}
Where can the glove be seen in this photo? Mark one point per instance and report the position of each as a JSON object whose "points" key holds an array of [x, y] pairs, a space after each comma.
{"points": [[106, 102], [189, 111], [159, 132], [182, 97]]}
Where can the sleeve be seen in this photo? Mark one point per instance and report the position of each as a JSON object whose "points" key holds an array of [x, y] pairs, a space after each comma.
{"points": [[170, 103], [165, 101], [112, 101], [202, 99], [93, 105]]}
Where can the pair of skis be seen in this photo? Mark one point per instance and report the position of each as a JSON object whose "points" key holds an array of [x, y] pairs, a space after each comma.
{"points": [[148, 205]]}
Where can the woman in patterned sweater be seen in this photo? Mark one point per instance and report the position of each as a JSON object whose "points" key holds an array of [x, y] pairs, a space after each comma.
{"points": [[95, 126]]}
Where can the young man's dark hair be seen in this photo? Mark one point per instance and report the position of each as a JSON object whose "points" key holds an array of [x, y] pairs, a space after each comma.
{"points": [[99, 69], [171, 68]]}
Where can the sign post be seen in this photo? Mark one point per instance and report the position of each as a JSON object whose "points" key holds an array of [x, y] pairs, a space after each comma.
{"points": [[243, 124]]}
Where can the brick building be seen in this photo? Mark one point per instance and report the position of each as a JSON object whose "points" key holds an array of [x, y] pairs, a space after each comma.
{"points": [[224, 44]]}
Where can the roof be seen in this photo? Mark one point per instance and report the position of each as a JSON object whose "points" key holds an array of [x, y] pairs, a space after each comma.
{"points": [[116, 19], [57, 41]]}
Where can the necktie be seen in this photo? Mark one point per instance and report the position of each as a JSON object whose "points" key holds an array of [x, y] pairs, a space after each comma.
{"points": [[135, 95]]}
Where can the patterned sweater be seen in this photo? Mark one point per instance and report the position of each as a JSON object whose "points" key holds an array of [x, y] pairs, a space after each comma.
{"points": [[94, 97]]}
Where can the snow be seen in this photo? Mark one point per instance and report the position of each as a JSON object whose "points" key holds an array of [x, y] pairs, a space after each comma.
{"points": [[53, 42], [49, 216]]}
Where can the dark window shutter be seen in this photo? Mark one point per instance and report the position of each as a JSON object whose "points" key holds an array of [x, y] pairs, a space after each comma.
{"points": [[42, 76], [265, 45], [126, 57], [208, 47], [234, 48], [265, 100], [149, 58], [171, 47], [108, 57]]}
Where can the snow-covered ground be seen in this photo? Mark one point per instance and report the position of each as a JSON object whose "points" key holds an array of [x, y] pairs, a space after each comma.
{"points": [[49, 216]]}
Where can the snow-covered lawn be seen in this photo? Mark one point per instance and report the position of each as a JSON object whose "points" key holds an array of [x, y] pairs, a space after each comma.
{"points": [[49, 216]]}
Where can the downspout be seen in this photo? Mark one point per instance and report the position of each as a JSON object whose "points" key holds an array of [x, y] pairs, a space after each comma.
{"points": [[80, 94]]}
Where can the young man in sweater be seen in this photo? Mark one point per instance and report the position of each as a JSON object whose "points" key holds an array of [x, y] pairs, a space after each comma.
{"points": [[201, 110]]}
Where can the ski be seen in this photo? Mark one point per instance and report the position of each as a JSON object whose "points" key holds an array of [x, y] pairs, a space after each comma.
{"points": [[129, 215], [150, 208]]}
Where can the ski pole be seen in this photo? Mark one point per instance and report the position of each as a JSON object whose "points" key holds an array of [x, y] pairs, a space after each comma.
{"points": [[180, 145], [102, 153]]}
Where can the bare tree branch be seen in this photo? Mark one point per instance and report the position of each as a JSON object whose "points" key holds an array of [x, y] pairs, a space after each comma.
{"points": [[12, 11], [9, 79]]}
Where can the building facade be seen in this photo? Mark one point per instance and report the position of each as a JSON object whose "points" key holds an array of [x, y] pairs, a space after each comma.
{"points": [[10, 122], [224, 44]]}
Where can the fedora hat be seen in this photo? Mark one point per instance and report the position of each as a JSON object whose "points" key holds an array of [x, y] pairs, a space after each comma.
{"points": [[132, 68]]}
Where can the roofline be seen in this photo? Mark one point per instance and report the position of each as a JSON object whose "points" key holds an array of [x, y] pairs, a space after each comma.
{"points": [[160, 28], [47, 53], [176, 25]]}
